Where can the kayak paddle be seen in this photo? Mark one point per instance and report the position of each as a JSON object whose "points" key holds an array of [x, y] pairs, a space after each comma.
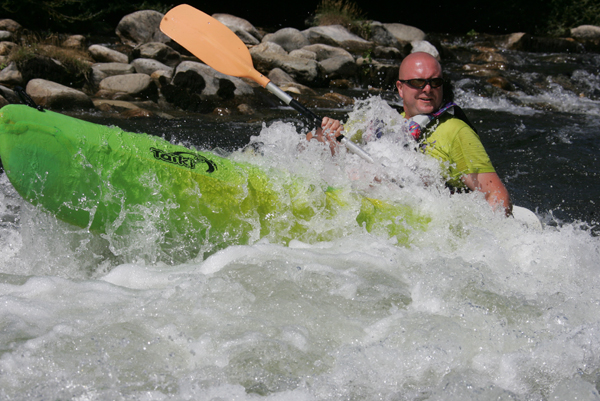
{"points": [[220, 48]]}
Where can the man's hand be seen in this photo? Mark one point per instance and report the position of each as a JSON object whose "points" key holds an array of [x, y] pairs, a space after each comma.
{"points": [[329, 131], [492, 187]]}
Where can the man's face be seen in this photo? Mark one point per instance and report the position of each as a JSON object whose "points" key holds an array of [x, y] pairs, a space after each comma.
{"points": [[420, 101]]}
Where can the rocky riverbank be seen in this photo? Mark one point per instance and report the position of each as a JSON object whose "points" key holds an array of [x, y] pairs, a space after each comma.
{"points": [[141, 72]]}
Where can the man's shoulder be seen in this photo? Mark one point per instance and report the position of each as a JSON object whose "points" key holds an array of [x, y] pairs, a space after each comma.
{"points": [[451, 125]]}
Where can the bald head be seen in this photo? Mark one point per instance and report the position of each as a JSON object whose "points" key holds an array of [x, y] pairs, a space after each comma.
{"points": [[418, 62], [419, 100]]}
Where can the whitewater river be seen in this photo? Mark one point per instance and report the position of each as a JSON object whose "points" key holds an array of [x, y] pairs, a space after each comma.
{"points": [[473, 307]]}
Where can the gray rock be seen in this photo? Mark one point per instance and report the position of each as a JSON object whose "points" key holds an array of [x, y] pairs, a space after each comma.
{"points": [[269, 55], [280, 77], [55, 96], [11, 75], [586, 32], [405, 33], [6, 35], [6, 47], [303, 53], [387, 53], [75, 42], [337, 35], [161, 77], [213, 79], [288, 38], [136, 85], [338, 67], [334, 61], [9, 94], [148, 66], [424, 46], [376, 73], [141, 27], [104, 70], [237, 24], [10, 25], [157, 51], [383, 37], [103, 54], [326, 51]]}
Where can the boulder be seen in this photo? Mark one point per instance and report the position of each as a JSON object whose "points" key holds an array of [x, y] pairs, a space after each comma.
{"points": [[335, 63], [103, 54], [149, 66], [11, 75], [405, 33], [8, 94], [383, 37], [197, 87], [6, 47], [338, 67], [104, 70], [337, 35], [390, 53], [74, 42], [134, 85], [162, 77], [269, 55], [237, 24], [6, 35], [288, 38], [217, 84], [157, 51], [426, 47], [586, 32], [529, 43], [303, 53], [141, 27], [10, 25], [377, 74], [56, 96], [326, 51], [280, 77]]}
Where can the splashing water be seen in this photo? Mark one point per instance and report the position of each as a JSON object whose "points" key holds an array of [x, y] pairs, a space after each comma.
{"points": [[476, 307]]}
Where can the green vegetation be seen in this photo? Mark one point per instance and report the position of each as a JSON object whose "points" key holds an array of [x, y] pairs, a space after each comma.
{"points": [[338, 12], [76, 62], [566, 14], [539, 17], [81, 16]]}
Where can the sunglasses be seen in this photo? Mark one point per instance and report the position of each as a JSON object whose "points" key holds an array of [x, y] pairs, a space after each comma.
{"points": [[420, 83]]}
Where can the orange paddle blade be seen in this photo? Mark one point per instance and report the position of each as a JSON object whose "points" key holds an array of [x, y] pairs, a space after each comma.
{"points": [[210, 41]]}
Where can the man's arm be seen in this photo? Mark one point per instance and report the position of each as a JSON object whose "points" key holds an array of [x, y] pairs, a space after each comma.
{"points": [[492, 187]]}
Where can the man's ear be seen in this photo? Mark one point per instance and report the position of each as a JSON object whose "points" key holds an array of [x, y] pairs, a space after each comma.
{"points": [[399, 87]]}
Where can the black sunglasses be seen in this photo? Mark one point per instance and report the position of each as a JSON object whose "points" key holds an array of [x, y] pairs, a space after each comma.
{"points": [[420, 83]]}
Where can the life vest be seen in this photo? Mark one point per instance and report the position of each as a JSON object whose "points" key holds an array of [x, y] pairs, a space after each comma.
{"points": [[417, 124]]}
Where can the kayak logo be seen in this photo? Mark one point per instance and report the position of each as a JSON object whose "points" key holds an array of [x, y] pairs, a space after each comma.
{"points": [[183, 159]]}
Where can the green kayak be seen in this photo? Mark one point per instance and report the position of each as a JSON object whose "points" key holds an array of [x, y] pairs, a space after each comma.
{"points": [[115, 183]]}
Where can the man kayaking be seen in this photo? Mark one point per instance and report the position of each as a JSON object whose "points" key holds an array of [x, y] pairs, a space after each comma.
{"points": [[438, 131]]}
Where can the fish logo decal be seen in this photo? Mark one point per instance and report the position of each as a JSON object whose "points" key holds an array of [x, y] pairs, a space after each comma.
{"points": [[183, 159]]}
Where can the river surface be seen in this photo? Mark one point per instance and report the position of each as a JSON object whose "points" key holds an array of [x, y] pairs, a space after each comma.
{"points": [[474, 307]]}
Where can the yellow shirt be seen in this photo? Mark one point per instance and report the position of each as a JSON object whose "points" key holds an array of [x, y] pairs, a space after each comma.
{"points": [[458, 146]]}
